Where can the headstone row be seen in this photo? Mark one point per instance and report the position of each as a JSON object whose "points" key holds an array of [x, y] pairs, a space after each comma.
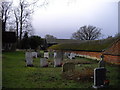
{"points": [[58, 57]]}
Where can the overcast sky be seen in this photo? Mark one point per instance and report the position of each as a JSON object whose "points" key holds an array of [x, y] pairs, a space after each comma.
{"points": [[61, 18]]}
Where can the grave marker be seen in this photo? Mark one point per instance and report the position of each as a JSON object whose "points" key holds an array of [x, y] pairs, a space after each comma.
{"points": [[72, 56], [29, 60], [58, 57], [43, 62], [34, 54], [99, 77], [68, 67], [46, 55]]}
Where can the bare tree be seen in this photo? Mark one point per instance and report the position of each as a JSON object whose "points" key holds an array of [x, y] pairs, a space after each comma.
{"points": [[50, 37], [5, 11], [23, 16], [87, 33], [17, 13]]}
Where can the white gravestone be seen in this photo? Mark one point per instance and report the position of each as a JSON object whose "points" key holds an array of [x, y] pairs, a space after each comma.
{"points": [[58, 57], [55, 54], [72, 56], [43, 62], [66, 54], [29, 60], [46, 55], [34, 54]]}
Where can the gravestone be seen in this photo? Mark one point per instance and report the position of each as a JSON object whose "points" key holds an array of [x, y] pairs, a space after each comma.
{"points": [[43, 62], [99, 77], [46, 55], [68, 67], [29, 60], [66, 54], [72, 56], [58, 57], [34, 54], [55, 54]]}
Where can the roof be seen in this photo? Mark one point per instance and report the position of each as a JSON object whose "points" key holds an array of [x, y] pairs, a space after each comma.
{"points": [[60, 41], [94, 45], [114, 49]]}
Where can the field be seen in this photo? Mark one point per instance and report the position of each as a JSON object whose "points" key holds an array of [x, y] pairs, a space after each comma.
{"points": [[16, 75]]}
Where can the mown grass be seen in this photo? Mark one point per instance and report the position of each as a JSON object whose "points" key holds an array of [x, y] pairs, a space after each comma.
{"points": [[16, 75]]}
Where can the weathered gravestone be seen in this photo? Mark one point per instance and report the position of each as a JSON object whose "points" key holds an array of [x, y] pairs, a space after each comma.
{"points": [[68, 67], [58, 57], [46, 55], [34, 54], [43, 62], [99, 77], [29, 60]]}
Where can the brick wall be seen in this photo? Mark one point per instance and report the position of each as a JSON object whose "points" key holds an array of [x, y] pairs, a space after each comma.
{"points": [[86, 54], [111, 54], [112, 59], [97, 56]]}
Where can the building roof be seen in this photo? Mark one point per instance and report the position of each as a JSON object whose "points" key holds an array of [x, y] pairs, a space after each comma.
{"points": [[61, 41], [114, 49], [94, 45]]}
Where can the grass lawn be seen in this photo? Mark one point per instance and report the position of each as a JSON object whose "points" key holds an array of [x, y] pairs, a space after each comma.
{"points": [[16, 75]]}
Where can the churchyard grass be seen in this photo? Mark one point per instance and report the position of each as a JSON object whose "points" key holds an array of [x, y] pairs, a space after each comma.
{"points": [[16, 75]]}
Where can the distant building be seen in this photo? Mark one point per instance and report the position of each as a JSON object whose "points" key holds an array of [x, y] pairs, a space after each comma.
{"points": [[8, 40], [60, 41]]}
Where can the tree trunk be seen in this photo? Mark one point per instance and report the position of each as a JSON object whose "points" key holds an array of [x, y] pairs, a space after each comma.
{"points": [[21, 22]]}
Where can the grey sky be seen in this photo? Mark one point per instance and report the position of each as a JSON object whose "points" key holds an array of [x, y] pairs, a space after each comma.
{"points": [[61, 18]]}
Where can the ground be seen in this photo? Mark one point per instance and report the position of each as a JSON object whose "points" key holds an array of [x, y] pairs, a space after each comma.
{"points": [[16, 75]]}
